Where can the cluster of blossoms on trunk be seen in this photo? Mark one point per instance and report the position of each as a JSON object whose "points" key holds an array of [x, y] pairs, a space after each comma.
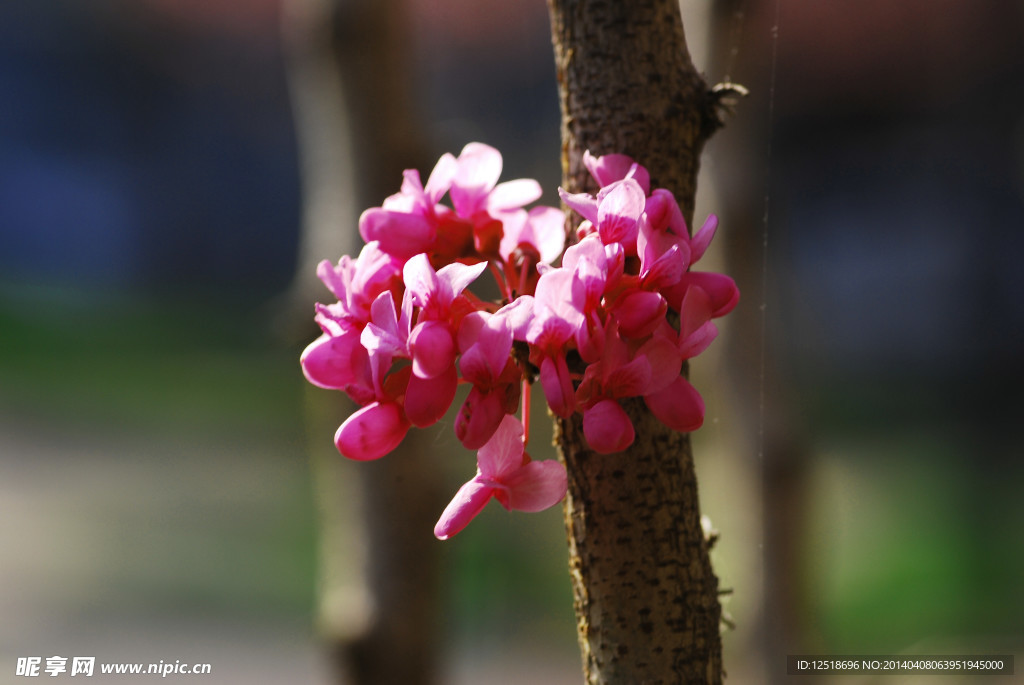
{"points": [[616, 319]]}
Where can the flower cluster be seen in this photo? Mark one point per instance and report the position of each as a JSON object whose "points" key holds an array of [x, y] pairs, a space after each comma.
{"points": [[405, 331]]}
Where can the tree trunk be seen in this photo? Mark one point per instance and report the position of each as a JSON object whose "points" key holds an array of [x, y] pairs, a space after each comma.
{"points": [[645, 596]]}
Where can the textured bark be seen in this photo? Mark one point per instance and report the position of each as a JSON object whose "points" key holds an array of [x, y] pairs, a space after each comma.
{"points": [[645, 596], [356, 128]]}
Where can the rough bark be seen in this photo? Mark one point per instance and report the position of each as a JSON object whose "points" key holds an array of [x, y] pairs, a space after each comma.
{"points": [[356, 129], [645, 596]]}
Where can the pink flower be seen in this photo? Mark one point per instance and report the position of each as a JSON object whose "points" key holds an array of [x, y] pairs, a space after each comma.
{"points": [[670, 397], [486, 341], [432, 339], [605, 424], [357, 282], [662, 231], [610, 168], [387, 333], [372, 432], [479, 198], [541, 230], [506, 473], [596, 269], [336, 359], [333, 361], [431, 342], [403, 299], [607, 427], [720, 289], [678, 405], [662, 244], [696, 330], [380, 426], [555, 322], [614, 212], [407, 222], [435, 292], [475, 186], [530, 239], [640, 312]]}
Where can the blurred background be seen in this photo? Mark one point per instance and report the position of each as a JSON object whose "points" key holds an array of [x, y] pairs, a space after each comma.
{"points": [[167, 171]]}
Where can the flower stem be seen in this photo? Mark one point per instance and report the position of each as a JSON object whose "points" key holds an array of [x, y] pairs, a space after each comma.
{"points": [[526, 412]]}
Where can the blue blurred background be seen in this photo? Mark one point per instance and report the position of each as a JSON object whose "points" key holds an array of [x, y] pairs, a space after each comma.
{"points": [[861, 457]]}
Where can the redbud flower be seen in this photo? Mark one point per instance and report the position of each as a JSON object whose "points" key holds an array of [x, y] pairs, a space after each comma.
{"points": [[610, 168], [404, 330], [506, 473], [406, 224], [486, 341]]}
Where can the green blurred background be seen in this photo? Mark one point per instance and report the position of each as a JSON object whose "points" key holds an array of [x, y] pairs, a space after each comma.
{"points": [[861, 457]]}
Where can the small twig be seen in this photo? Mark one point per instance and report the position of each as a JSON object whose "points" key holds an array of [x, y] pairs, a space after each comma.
{"points": [[726, 97]]}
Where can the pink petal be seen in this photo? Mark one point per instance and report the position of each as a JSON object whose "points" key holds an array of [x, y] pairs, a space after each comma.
{"points": [[503, 453], [513, 194], [479, 417], [698, 341], [336, 278], [375, 271], [607, 428], [475, 368], [583, 204], [420, 279], [554, 378], [631, 380], [585, 228], [590, 339], [455, 277], [588, 285], [607, 169], [618, 211], [372, 432], [615, 260], [664, 358], [383, 333], [679, 406], [517, 315], [589, 248], [702, 238], [549, 331], [696, 331], [432, 349], [694, 312], [640, 312], [664, 215], [547, 225], [400, 234], [484, 361], [332, 361], [588, 392], [426, 401], [553, 300], [664, 270], [335, 319], [412, 186], [441, 178], [469, 501], [534, 487], [614, 350], [513, 231], [720, 288], [478, 172], [469, 329]]}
